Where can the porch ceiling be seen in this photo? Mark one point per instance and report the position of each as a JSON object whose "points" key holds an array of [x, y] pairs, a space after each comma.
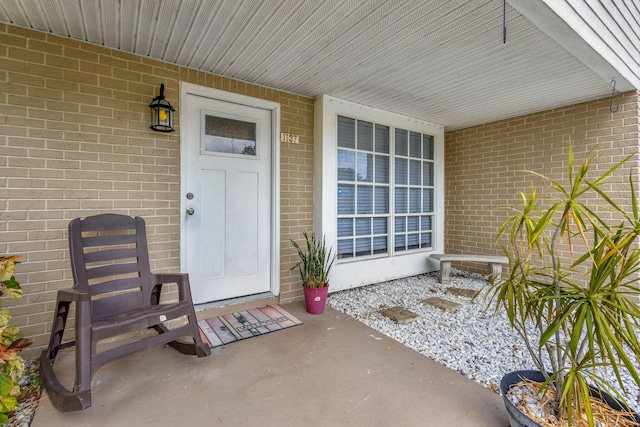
{"points": [[441, 61]]}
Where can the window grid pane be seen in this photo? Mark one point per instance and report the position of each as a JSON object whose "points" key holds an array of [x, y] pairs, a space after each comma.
{"points": [[380, 225], [363, 247], [381, 169], [346, 199], [346, 132], [365, 199], [380, 245], [382, 139], [365, 167], [345, 227], [381, 200], [346, 165], [365, 136], [402, 170], [402, 141], [427, 147], [345, 248], [415, 144], [363, 226]]}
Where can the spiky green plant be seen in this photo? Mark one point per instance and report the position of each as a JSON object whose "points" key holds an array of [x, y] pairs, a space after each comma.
{"points": [[583, 310], [315, 262]]}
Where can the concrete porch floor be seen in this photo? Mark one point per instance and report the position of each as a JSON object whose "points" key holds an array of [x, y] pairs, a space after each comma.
{"points": [[330, 371]]}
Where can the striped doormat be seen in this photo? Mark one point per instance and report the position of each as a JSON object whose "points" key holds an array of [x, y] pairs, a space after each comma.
{"points": [[221, 330]]}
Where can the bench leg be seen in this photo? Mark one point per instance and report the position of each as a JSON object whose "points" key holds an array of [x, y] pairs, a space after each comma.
{"points": [[445, 269], [495, 271]]}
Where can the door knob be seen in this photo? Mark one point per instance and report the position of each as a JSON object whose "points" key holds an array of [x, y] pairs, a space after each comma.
{"points": [[190, 211]]}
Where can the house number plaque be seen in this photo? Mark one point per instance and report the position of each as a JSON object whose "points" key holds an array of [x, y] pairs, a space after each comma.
{"points": [[289, 137]]}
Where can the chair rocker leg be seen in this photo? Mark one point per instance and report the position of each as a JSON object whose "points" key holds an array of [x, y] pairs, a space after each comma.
{"points": [[62, 399], [195, 348]]}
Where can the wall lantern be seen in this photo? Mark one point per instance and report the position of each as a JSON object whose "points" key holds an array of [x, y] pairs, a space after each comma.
{"points": [[161, 113]]}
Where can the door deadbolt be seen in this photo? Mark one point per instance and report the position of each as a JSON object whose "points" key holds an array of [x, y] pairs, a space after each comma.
{"points": [[190, 211], [190, 196]]}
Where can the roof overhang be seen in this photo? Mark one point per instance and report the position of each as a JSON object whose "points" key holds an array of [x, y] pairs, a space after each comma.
{"points": [[441, 61], [603, 50]]}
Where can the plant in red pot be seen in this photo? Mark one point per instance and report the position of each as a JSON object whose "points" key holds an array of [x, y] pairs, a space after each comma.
{"points": [[314, 265]]}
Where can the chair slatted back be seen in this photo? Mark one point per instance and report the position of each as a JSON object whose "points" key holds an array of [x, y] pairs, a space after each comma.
{"points": [[110, 261]]}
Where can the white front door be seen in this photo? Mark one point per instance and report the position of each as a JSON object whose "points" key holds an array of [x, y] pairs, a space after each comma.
{"points": [[227, 219]]}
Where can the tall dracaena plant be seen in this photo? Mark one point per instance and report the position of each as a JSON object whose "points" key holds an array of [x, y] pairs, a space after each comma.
{"points": [[583, 310], [315, 262]]}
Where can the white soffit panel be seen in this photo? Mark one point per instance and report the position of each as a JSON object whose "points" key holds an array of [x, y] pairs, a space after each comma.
{"points": [[128, 26], [35, 15], [54, 17], [440, 61], [163, 28], [177, 30], [13, 12], [91, 15], [147, 18], [74, 20], [194, 29], [110, 24], [595, 32]]}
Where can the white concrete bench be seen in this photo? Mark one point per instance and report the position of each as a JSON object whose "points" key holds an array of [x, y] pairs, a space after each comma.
{"points": [[494, 262]]}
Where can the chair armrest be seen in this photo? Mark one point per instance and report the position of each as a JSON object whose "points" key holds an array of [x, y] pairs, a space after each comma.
{"points": [[73, 295], [180, 279]]}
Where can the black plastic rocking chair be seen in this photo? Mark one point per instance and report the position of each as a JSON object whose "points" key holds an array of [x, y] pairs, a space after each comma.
{"points": [[114, 293]]}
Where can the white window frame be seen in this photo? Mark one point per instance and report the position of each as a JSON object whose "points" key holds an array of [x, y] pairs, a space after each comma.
{"points": [[354, 272]]}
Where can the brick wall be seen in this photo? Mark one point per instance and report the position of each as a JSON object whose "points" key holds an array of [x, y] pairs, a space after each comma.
{"points": [[75, 141], [484, 164]]}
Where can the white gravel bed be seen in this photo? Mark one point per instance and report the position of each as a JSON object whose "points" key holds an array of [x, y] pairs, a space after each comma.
{"points": [[476, 342]]}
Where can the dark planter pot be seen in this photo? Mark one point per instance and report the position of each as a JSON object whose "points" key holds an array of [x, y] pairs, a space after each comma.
{"points": [[315, 298], [518, 419]]}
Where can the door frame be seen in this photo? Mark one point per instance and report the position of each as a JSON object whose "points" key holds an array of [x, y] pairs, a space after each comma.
{"points": [[220, 95]]}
